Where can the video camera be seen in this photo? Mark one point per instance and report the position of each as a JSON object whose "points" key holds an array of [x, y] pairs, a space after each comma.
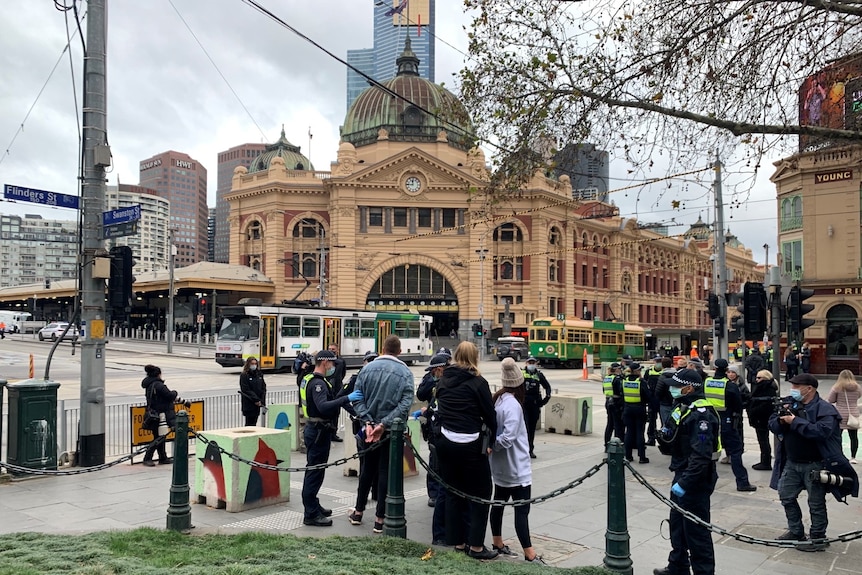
{"points": [[828, 478], [784, 406]]}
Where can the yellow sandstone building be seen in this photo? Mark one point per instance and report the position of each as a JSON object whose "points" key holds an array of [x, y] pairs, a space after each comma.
{"points": [[401, 221]]}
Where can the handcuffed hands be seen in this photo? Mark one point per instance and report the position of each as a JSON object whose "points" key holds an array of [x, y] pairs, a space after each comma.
{"points": [[677, 490], [355, 395]]}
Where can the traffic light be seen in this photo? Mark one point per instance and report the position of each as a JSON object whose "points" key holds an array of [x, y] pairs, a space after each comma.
{"points": [[797, 310], [754, 300], [718, 326], [737, 322], [477, 329], [203, 306], [47, 283], [120, 283], [712, 305]]}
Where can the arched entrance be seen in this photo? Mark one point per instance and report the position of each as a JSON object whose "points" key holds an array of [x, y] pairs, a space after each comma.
{"points": [[418, 287], [842, 339]]}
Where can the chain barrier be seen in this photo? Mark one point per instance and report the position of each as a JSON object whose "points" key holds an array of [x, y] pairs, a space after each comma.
{"points": [[240, 459], [514, 503], [60, 472], [844, 537]]}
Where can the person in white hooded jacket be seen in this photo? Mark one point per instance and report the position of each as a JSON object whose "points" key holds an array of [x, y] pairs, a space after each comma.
{"points": [[511, 468]]}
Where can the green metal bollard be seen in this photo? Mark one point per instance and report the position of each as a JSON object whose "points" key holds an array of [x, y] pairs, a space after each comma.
{"points": [[395, 523], [179, 511], [617, 555]]}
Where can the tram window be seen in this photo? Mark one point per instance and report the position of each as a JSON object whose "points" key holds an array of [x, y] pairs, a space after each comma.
{"points": [[368, 328], [311, 327], [634, 338], [609, 337], [578, 336], [407, 329], [351, 328], [239, 329], [553, 334], [290, 326], [540, 334]]}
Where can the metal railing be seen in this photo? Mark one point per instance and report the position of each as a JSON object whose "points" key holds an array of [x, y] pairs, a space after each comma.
{"points": [[221, 410]]}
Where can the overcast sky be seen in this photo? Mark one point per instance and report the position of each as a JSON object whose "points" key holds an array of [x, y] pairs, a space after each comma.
{"points": [[163, 93]]}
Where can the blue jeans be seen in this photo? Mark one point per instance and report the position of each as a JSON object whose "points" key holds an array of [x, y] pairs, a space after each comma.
{"points": [[318, 440], [795, 478]]}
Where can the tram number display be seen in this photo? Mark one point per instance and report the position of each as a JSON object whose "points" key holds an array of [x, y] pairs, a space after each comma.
{"points": [[141, 436]]}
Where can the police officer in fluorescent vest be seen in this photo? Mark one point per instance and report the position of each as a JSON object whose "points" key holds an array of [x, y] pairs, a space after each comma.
{"points": [[612, 386], [693, 431], [635, 401], [651, 378], [320, 406], [725, 396]]}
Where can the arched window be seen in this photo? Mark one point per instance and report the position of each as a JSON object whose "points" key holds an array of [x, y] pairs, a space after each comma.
{"points": [[786, 209], [508, 232], [552, 270], [797, 207], [254, 231], [842, 332], [308, 228], [508, 268]]}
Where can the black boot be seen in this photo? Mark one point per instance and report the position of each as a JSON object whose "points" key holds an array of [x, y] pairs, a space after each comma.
{"points": [[764, 465]]}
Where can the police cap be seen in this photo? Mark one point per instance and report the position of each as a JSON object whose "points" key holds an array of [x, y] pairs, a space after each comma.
{"points": [[325, 355]]}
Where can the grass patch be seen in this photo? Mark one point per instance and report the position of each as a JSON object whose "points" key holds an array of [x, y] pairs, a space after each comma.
{"points": [[153, 552]]}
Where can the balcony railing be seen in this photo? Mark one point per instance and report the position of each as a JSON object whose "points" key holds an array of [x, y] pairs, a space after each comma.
{"points": [[790, 224]]}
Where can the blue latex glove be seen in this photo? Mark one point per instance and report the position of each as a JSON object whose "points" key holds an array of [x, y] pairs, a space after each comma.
{"points": [[677, 490], [416, 414], [355, 395]]}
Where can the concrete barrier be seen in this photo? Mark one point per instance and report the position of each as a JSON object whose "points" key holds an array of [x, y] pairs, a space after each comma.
{"points": [[569, 415]]}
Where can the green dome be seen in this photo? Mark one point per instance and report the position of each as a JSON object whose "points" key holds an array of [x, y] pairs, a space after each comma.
{"points": [[293, 159], [376, 108]]}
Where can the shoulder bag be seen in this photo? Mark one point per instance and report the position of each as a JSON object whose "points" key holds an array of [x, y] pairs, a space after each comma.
{"points": [[151, 415], [852, 420]]}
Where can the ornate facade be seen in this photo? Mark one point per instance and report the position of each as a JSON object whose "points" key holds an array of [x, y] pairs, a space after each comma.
{"points": [[400, 221]]}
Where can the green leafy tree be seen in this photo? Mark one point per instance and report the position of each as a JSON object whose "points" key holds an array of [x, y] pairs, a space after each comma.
{"points": [[677, 79]]}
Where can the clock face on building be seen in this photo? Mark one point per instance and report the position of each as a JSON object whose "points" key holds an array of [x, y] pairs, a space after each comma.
{"points": [[413, 184]]}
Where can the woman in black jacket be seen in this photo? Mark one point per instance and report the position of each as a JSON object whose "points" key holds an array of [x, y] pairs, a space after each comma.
{"points": [[760, 408], [160, 399], [252, 388], [468, 427]]}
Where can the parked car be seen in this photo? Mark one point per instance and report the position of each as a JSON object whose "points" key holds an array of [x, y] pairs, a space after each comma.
{"points": [[514, 347], [54, 330]]}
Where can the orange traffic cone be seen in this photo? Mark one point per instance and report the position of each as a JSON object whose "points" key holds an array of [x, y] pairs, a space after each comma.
{"points": [[586, 374]]}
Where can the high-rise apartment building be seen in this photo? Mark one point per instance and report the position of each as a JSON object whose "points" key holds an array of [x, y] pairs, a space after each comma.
{"points": [[211, 223], [242, 155], [588, 168], [34, 250], [181, 180], [150, 245], [416, 18]]}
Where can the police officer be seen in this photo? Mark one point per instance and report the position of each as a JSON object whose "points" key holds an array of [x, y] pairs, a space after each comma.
{"points": [[725, 397], [533, 400], [693, 432], [612, 386], [320, 407], [635, 400], [652, 377]]}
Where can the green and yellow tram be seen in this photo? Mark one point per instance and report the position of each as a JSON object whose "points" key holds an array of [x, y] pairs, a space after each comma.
{"points": [[561, 341]]}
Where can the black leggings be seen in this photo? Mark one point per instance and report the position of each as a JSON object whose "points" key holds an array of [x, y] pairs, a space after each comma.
{"points": [[854, 441], [522, 512], [465, 467]]}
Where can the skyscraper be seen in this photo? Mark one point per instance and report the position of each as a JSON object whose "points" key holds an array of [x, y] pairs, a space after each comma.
{"points": [[416, 18], [242, 155], [150, 244], [181, 180], [589, 169]]}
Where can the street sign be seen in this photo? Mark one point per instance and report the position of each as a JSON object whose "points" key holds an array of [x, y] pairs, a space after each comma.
{"points": [[141, 436], [200, 318], [121, 215], [35, 196], [120, 230]]}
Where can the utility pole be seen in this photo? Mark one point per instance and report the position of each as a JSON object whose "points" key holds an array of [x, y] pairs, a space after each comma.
{"points": [[96, 157], [322, 273], [720, 265], [481, 253], [169, 329]]}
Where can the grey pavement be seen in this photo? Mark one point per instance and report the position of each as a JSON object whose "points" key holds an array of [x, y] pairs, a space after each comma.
{"points": [[568, 530]]}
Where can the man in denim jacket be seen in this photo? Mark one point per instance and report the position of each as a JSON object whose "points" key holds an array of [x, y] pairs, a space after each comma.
{"points": [[386, 388]]}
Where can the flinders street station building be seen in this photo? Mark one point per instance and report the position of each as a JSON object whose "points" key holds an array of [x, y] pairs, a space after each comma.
{"points": [[400, 222]]}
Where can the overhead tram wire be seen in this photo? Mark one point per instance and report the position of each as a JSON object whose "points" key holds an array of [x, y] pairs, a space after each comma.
{"points": [[207, 54], [20, 129]]}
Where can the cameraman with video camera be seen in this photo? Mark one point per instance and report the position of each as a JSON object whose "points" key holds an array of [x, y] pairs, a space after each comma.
{"points": [[808, 457]]}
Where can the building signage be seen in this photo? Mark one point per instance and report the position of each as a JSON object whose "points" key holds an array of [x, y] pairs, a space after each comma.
{"points": [[35, 196], [150, 164], [185, 164], [121, 215], [837, 176], [830, 291], [120, 230]]}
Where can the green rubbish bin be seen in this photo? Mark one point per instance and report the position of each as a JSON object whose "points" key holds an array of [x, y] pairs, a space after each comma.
{"points": [[33, 423], [2, 391]]}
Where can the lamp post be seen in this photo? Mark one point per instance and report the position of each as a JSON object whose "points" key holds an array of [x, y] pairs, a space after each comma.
{"points": [[170, 327], [481, 252], [766, 265]]}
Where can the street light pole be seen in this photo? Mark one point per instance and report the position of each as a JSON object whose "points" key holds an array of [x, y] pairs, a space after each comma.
{"points": [[720, 266], [170, 327], [322, 273], [481, 252]]}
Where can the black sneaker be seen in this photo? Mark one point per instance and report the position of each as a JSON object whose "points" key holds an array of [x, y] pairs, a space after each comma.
{"points": [[532, 455], [643, 460], [791, 536], [354, 517], [484, 554], [747, 488], [762, 467], [378, 527], [813, 546], [504, 550], [326, 512], [166, 461], [149, 463]]}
